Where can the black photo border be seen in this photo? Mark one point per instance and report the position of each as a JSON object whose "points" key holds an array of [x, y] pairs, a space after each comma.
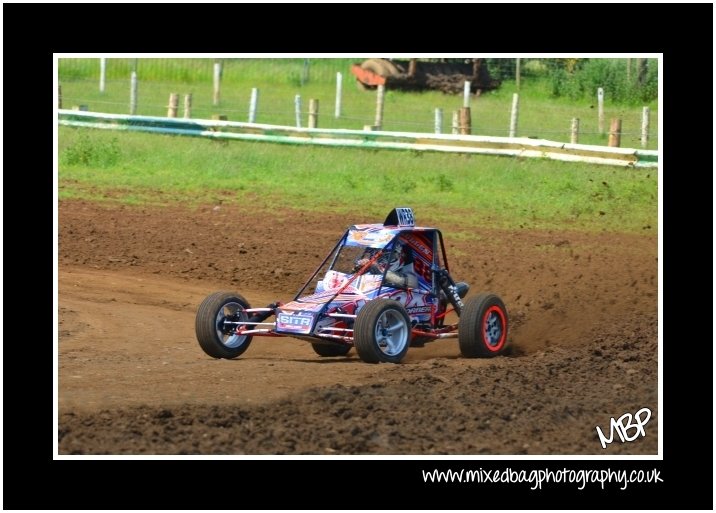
{"points": [[33, 480]]}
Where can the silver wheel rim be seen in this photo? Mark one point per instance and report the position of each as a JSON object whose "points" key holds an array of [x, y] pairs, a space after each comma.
{"points": [[391, 333], [229, 310]]}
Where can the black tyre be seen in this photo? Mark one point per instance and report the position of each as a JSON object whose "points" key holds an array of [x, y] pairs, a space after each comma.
{"points": [[214, 330], [482, 328], [382, 331], [331, 350]]}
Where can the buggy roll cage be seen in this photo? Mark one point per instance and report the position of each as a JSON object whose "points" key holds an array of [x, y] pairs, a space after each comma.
{"points": [[441, 278]]}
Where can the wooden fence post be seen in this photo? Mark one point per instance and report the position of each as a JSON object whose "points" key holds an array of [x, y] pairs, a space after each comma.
{"points": [[600, 109], [574, 132], [517, 74], [615, 132], [133, 86], [465, 121], [173, 105], [339, 93], [297, 108], [217, 83], [645, 127], [514, 114], [312, 113], [187, 106], [253, 104], [380, 98], [438, 121], [466, 94], [455, 122], [102, 74]]}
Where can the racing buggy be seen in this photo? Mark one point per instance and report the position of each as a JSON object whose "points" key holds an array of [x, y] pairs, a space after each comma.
{"points": [[382, 289]]}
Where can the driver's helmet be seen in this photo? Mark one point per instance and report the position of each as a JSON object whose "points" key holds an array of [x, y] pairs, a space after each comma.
{"points": [[389, 260], [393, 260]]}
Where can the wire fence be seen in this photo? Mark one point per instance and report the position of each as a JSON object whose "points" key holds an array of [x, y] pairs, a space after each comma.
{"points": [[551, 95]]}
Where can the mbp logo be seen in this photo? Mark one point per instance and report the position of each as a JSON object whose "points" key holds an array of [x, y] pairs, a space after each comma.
{"points": [[623, 425]]}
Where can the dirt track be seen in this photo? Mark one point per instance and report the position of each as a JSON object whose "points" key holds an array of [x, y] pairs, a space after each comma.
{"points": [[133, 380]]}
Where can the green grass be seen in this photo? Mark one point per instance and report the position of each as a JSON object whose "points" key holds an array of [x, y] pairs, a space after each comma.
{"points": [[197, 70], [473, 191], [279, 80]]}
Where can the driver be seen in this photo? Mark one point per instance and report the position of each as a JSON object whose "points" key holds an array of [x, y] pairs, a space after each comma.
{"points": [[396, 264]]}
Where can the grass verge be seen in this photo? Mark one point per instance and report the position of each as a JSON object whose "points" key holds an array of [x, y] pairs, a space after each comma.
{"points": [[475, 191]]}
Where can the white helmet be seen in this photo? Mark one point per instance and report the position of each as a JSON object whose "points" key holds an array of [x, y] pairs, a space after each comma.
{"points": [[394, 259]]}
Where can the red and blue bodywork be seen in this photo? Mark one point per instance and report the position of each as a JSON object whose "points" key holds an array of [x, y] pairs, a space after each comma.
{"points": [[335, 295]]}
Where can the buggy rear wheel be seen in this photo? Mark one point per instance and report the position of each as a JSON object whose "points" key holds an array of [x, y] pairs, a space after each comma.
{"points": [[382, 331], [331, 349], [482, 328], [214, 329]]}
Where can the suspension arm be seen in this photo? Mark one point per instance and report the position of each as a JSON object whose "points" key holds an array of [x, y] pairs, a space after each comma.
{"points": [[447, 284]]}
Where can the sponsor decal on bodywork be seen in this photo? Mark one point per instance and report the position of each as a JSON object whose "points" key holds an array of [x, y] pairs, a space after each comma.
{"points": [[419, 309], [370, 236], [420, 243], [294, 322]]}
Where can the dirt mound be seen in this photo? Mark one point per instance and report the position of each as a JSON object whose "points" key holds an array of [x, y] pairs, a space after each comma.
{"points": [[547, 404], [133, 380]]}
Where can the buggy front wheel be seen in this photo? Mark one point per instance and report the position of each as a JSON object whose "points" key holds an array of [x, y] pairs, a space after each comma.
{"points": [[382, 331], [216, 325]]}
